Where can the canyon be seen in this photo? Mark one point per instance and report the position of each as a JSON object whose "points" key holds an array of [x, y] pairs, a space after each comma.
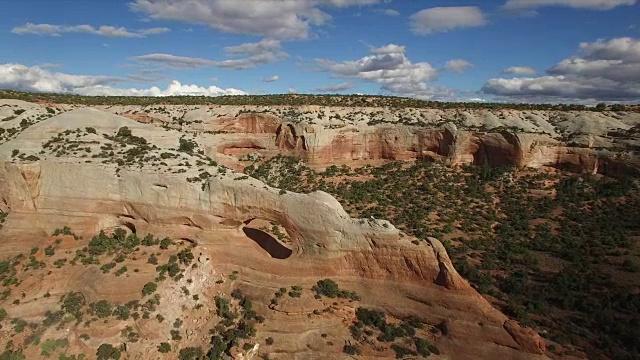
{"points": [[176, 171]]}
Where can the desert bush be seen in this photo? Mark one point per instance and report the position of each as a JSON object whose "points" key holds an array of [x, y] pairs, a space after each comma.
{"points": [[108, 352]]}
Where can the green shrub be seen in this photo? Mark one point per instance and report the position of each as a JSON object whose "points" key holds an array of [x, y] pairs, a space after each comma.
{"points": [[51, 345], [371, 317], [351, 349], [108, 352], [175, 335], [402, 351], [72, 304], [149, 288], [121, 271], [102, 309], [10, 354], [164, 347], [164, 243], [187, 145], [330, 289], [49, 250], [327, 287], [190, 353]]}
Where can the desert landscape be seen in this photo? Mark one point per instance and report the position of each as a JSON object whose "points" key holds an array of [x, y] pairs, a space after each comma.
{"points": [[311, 227]]}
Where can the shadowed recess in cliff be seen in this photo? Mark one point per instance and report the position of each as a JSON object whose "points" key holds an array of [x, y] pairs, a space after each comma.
{"points": [[268, 243]]}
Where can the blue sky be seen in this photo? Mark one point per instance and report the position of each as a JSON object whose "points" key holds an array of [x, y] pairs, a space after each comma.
{"points": [[494, 50]]}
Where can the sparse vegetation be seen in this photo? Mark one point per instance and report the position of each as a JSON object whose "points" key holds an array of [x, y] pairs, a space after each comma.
{"points": [[330, 289], [51, 345], [286, 100], [497, 223]]}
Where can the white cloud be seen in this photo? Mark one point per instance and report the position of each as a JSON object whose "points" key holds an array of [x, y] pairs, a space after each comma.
{"points": [[50, 66], [388, 49], [387, 12], [174, 61], [383, 68], [292, 90], [108, 31], [24, 78], [440, 19], [335, 88], [175, 88], [458, 65], [256, 48], [36, 79], [271, 79], [345, 3], [422, 91], [280, 19], [262, 52], [520, 70], [519, 5], [602, 71], [624, 49], [615, 70], [389, 67], [146, 75]]}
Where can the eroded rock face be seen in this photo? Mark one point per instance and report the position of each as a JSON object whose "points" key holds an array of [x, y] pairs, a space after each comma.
{"points": [[44, 194], [527, 338], [320, 145], [91, 197]]}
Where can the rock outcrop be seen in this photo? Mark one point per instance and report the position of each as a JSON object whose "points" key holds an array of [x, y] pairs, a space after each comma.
{"points": [[319, 145], [68, 189]]}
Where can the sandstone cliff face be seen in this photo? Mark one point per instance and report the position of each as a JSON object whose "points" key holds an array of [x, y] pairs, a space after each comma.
{"points": [[319, 145], [579, 141], [44, 194], [47, 193]]}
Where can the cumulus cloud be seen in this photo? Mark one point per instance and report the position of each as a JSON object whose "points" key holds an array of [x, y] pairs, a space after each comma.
{"points": [[624, 49], [107, 31], [335, 88], [519, 70], [36, 79], [458, 65], [601, 71], [263, 52], [388, 49], [389, 66], [271, 79], [175, 88], [382, 67], [441, 19], [280, 19], [519, 5]]}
